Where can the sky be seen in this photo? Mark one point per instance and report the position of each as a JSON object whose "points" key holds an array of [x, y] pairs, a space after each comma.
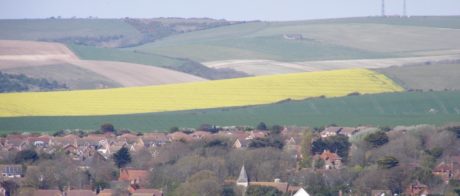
{"points": [[272, 10]]}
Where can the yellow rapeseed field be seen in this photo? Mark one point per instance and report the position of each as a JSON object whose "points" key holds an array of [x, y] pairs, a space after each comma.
{"points": [[199, 95]]}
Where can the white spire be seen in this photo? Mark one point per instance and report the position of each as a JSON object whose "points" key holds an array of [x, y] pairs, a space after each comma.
{"points": [[243, 178]]}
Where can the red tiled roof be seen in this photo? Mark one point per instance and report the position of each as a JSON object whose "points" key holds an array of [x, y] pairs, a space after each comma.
{"points": [[328, 155], [133, 174]]}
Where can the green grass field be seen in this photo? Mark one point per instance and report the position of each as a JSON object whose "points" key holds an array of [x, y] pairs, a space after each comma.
{"points": [[407, 108], [113, 54], [425, 77], [353, 38]]}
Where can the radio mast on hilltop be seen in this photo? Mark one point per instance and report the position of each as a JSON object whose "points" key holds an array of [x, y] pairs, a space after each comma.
{"points": [[405, 9], [383, 8]]}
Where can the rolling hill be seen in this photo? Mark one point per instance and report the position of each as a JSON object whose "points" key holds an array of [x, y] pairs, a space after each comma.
{"points": [[56, 62]]}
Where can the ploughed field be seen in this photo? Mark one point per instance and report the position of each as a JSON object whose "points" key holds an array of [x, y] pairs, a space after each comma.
{"points": [[198, 95]]}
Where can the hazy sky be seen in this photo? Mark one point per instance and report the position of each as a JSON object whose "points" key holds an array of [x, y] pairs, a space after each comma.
{"points": [[221, 9]]}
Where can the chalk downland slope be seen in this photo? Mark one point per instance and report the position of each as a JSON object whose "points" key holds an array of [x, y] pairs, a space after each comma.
{"points": [[18, 56], [199, 95]]}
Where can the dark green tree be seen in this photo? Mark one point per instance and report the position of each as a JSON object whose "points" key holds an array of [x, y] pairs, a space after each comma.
{"points": [[276, 129], [174, 129], [122, 157], [107, 128], [262, 126], [377, 139], [387, 162], [26, 156]]}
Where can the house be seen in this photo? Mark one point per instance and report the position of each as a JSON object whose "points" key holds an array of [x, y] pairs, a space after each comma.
{"points": [[16, 142], [65, 141], [134, 176], [41, 141], [243, 179], [80, 192], [417, 189], [11, 171], [241, 143], [449, 169], [445, 171], [381, 193], [154, 139], [179, 136], [39, 192], [198, 135], [330, 131], [257, 134], [331, 160], [301, 192], [333, 131], [148, 192], [128, 138]]}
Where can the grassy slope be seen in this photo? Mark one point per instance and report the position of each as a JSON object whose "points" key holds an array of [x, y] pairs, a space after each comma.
{"points": [[382, 109], [48, 29], [325, 39], [242, 42], [426, 77], [112, 54]]}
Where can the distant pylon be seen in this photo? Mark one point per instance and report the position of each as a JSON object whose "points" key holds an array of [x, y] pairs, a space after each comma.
{"points": [[405, 9], [383, 8]]}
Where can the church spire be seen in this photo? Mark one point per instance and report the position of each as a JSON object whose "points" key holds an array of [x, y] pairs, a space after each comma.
{"points": [[243, 178]]}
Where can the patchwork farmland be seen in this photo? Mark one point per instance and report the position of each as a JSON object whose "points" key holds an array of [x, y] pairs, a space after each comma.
{"points": [[199, 95]]}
